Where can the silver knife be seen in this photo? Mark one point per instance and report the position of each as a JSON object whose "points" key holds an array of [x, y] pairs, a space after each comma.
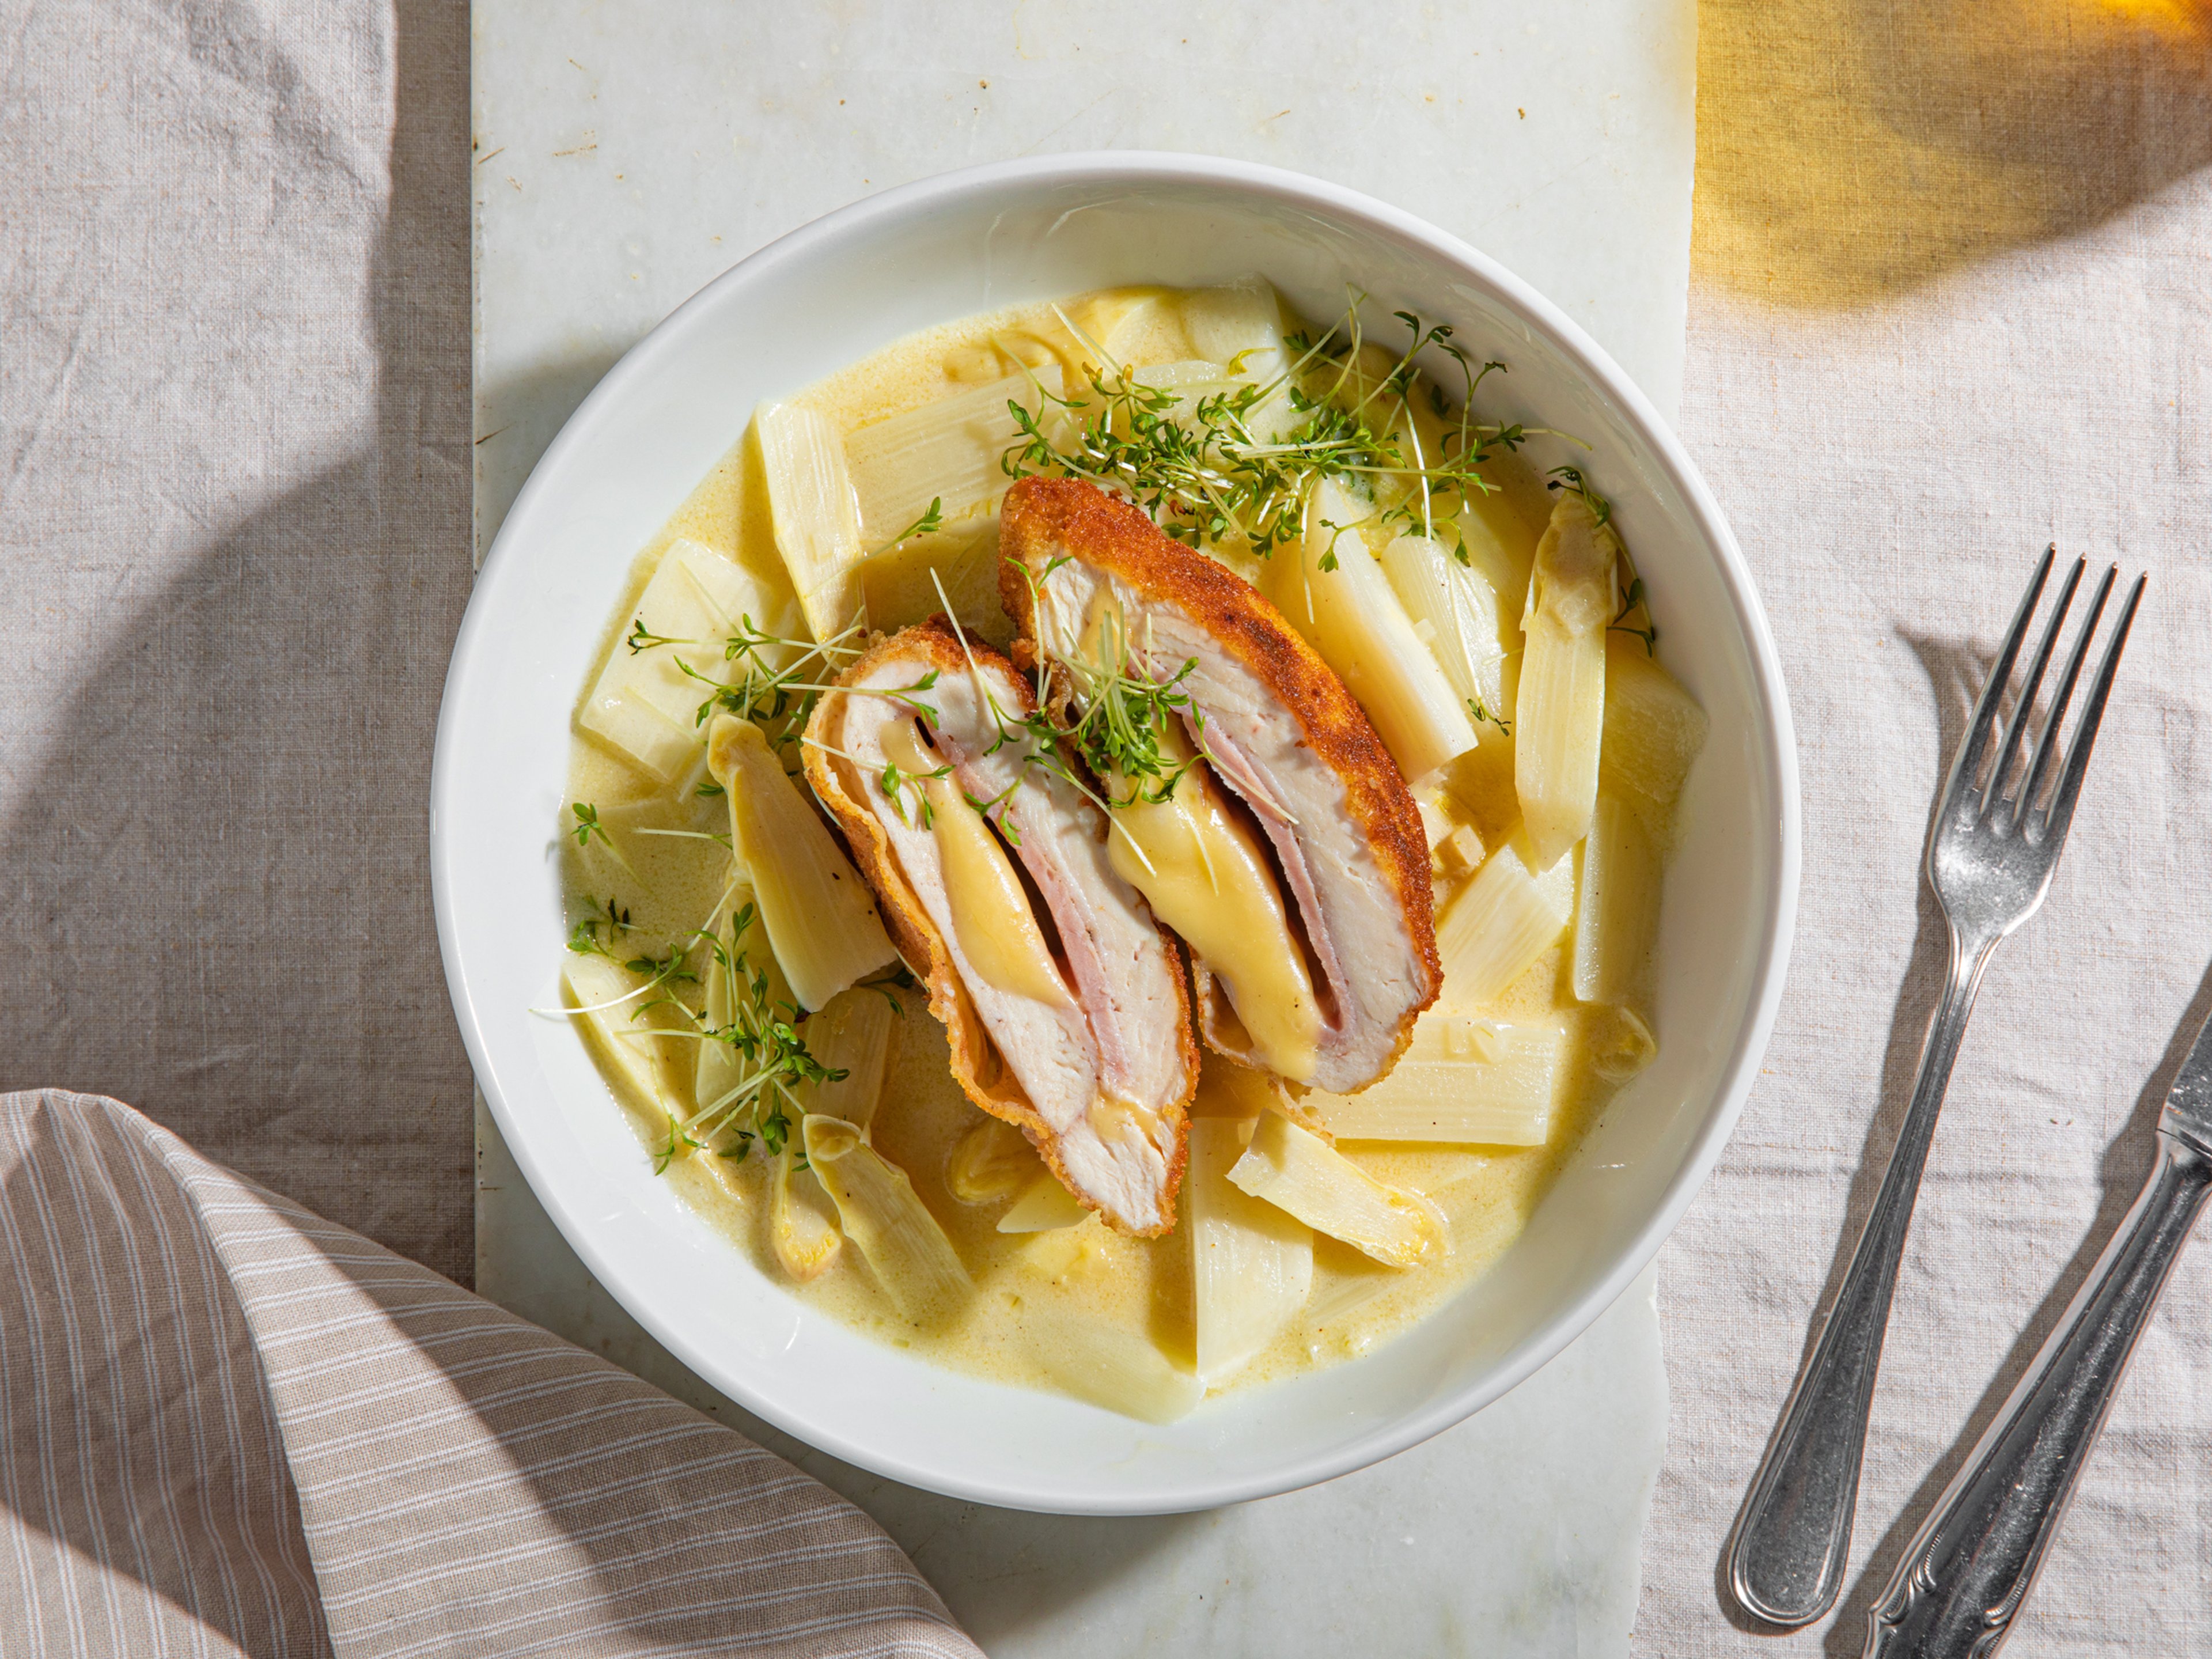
{"points": [[1967, 1572]]}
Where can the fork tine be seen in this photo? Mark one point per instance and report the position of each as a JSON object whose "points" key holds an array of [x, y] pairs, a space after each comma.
{"points": [[2061, 815], [2023, 708], [2047, 741], [1968, 761]]}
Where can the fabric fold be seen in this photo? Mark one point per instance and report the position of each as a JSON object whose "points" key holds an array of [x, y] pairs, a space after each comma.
{"points": [[232, 1425]]}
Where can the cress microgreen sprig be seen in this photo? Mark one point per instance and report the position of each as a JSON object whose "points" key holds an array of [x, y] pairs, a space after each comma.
{"points": [[1117, 731], [894, 781], [764, 694], [584, 937], [763, 1032], [586, 828], [927, 524], [1121, 725], [720, 837], [1218, 469], [777, 695], [588, 825]]}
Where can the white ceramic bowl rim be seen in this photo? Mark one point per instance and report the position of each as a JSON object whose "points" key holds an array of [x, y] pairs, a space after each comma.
{"points": [[1777, 903]]}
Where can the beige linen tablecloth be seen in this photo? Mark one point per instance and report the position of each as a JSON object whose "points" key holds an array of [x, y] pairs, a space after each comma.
{"points": [[1956, 269], [1954, 301], [234, 474]]}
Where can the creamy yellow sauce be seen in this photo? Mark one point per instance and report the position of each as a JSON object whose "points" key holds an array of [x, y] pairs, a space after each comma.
{"points": [[666, 883]]}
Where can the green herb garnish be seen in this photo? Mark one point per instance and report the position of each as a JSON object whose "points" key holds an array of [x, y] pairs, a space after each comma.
{"points": [[588, 824], [763, 1033], [927, 524], [1236, 466]]}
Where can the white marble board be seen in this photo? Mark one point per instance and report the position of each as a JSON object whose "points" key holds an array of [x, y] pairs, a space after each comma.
{"points": [[627, 153]]}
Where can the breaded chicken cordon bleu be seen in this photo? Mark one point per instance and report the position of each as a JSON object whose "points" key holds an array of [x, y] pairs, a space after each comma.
{"points": [[1265, 821], [1064, 1002]]}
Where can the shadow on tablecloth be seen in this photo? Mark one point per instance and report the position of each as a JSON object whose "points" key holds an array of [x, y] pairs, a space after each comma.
{"points": [[217, 849]]}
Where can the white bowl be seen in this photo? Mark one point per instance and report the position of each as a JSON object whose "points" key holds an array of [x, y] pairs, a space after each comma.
{"points": [[833, 292]]}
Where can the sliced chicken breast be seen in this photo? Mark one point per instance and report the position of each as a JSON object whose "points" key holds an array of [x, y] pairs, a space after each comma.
{"points": [[1073, 1024], [1280, 732]]}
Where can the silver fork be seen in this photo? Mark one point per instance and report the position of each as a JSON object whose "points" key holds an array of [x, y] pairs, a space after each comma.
{"points": [[1990, 858]]}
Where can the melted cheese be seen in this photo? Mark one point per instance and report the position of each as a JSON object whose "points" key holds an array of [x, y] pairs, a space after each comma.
{"points": [[1113, 1118], [990, 914], [1206, 877]]}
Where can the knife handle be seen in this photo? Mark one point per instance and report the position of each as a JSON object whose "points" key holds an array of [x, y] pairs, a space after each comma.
{"points": [[1967, 1570]]}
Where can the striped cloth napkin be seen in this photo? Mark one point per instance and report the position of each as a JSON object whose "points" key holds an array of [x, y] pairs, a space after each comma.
{"points": [[232, 1427]]}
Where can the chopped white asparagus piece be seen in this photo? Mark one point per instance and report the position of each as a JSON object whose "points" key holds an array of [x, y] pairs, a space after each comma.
{"points": [[1498, 925], [1619, 907], [821, 918], [1501, 549], [1185, 379], [1302, 1175], [993, 1160], [1239, 326], [1460, 852], [1555, 885], [1106, 1366], [957, 566], [1251, 1264], [1653, 730], [1558, 717], [610, 994], [1464, 1081], [1066, 1255], [1114, 319], [1457, 605], [1621, 1043], [947, 452], [1454, 849], [1330, 1321], [642, 704], [1334, 594], [907, 1251], [814, 513], [1436, 822], [1043, 1205], [801, 1230], [852, 1034]]}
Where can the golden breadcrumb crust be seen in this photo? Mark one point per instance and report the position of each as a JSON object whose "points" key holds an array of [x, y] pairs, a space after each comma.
{"points": [[977, 1066]]}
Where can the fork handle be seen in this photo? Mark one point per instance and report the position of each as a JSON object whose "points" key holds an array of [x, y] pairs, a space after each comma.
{"points": [[1967, 1570], [1785, 1559]]}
